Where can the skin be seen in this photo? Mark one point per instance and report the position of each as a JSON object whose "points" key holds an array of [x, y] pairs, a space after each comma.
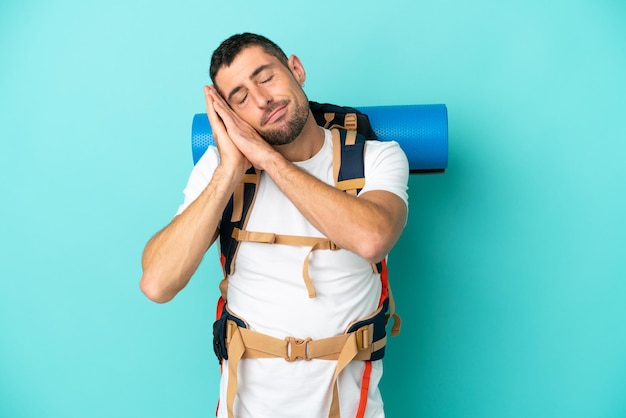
{"points": [[255, 95]]}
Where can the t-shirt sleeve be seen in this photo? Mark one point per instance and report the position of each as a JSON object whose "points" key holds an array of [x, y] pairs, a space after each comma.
{"points": [[386, 168], [200, 176]]}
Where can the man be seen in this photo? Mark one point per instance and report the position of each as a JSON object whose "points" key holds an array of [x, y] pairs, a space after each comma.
{"points": [[260, 117]]}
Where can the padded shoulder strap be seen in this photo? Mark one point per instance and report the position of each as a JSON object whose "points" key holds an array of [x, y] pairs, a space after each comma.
{"points": [[348, 160], [349, 165], [235, 216]]}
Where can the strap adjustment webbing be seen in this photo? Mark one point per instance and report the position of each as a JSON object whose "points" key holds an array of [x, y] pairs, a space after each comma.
{"points": [[349, 123]]}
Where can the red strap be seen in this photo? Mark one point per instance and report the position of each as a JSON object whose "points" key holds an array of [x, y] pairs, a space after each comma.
{"points": [[221, 302], [384, 278], [365, 386], [220, 307]]}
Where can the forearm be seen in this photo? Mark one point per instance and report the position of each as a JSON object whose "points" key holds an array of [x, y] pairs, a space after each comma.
{"points": [[368, 225], [174, 253]]}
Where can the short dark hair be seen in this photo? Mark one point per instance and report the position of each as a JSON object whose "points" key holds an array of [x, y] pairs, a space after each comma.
{"points": [[228, 50]]}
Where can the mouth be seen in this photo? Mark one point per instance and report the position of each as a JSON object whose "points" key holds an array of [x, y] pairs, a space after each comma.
{"points": [[274, 114]]}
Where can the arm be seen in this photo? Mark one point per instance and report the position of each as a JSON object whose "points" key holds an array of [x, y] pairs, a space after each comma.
{"points": [[172, 256], [368, 225], [174, 253]]}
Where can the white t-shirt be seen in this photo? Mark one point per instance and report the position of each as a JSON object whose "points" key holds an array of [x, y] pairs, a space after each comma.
{"points": [[267, 290]]}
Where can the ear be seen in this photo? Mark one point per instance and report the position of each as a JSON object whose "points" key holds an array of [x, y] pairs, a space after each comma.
{"points": [[297, 69]]}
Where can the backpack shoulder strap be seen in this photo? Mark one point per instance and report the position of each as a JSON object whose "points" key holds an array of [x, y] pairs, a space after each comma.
{"points": [[349, 165], [348, 160], [235, 216]]}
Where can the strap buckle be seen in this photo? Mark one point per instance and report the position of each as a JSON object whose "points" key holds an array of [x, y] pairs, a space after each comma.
{"points": [[297, 349], [364, 337], [350, 121]]}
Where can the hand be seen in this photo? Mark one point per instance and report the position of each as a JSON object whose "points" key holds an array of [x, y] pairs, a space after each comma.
{"points": [[229, 153], [244, 137]]}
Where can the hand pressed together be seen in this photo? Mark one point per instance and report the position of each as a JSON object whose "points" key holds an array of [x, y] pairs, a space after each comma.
{"points": [[237, 141]]}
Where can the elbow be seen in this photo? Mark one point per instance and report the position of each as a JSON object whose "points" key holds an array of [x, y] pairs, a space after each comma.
{"points": [[153, 291], [375, 248], [374, 256], [376, 242]]}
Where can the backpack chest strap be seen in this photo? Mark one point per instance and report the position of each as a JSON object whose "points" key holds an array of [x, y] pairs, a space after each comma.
{"points": [[321, 243], [316, 243]]}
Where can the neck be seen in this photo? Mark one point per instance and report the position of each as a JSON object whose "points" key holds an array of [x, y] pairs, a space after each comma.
{"points": [[306, 145]]}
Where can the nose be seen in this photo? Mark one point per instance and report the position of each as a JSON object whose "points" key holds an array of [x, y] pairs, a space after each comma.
{"points": [[261, 97]]}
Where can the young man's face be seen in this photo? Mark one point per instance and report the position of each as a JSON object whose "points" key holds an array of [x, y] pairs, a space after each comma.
{"points": [[266, 94]]}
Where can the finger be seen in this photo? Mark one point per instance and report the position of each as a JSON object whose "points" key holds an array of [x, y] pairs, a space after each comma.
{"points": [[214, 119], [225, 113], [216, 98], [223, 109], [208, 98], [231, 120], [234, 126], [212, 91]]}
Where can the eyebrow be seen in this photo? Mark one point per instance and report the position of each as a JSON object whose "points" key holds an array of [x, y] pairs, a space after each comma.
{"points": [[255, 73]]}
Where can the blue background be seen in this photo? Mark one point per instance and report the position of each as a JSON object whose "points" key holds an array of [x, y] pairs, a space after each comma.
{"points": [[510, 275]]}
